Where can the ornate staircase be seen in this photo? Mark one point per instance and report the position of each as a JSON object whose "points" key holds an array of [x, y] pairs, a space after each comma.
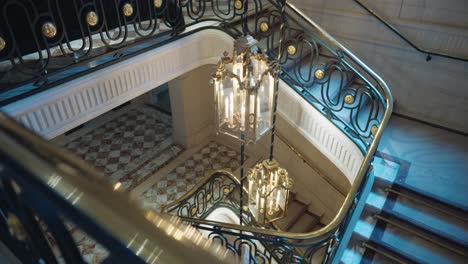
{"points": [[353, 100], [402, 224]]}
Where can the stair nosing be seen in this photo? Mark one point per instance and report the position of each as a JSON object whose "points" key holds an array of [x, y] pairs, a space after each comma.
{"points": [[432, 197], [392, 250], [426, 228]]}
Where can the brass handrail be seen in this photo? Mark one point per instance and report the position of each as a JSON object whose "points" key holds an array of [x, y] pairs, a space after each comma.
{"points": [[361, 174], [152, 236], [197, 186], [411, 43]]}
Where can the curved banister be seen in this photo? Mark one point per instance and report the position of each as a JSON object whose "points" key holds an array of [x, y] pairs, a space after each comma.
{"points": [[202, 182], [411, 43], [150, 236], [361, 174], [96, 193]]}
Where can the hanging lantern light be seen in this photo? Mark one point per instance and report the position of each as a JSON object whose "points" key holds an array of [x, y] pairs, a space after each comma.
{"points": [[269, 187], [244, 87]]}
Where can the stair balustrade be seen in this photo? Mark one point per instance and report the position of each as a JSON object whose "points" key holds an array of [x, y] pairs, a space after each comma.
{"points": [[320, 69]]}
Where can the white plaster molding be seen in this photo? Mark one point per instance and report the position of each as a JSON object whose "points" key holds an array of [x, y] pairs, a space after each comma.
{"points": [[57, 110], [316, 128], [62, 108]]}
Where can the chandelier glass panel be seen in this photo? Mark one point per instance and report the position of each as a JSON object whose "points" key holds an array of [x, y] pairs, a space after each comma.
{"points": [[268, 188], [244, 91]]}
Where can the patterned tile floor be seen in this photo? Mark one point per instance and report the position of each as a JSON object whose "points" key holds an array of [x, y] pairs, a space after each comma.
{"points": [[175, 184], [130, 147], [210, 157]]}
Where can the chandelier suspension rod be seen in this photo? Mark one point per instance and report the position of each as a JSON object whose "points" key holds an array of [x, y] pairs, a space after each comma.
{"points": [[280, 52], [241, 196], [245, 28]]}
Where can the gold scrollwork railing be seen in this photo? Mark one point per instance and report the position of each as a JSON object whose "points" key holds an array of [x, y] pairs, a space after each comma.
{"points": [[327, 230]]}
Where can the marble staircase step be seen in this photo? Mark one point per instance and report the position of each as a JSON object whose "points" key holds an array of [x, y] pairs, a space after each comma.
{"points": [[430, 219], [419, 234], [431, 198], [305, 223], [295, 210], [387, 254], [422, 230], [413, 247]]}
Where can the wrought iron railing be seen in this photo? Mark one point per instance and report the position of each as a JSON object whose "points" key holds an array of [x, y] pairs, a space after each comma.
{"points": [[318, 67], [331, 78], [46, 43], [346, 91], [220, 189], [46, 194], [68, 44]]}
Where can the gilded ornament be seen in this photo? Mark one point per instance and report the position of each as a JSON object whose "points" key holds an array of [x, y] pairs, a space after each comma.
{"points": [[49, 30], [292, 50], [194, 210], [374, 129], [157, 3], [92, 18], [2, 44], [127, 10], [349, 99], [238, 4], [16, 228], [319, 74], [264, 26]]}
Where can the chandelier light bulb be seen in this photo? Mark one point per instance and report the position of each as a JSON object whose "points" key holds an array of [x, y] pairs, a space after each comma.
{"points": [[244, 108], [269, 187]]}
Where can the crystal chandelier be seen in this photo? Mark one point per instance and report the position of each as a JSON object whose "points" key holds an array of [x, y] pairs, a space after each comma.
{"points": [[244, 90], [269, 187], [246, 99]]}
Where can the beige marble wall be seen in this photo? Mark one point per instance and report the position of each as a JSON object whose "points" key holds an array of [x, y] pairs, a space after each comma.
{"points": [[311, 182], [435, 91], [192, 106]]}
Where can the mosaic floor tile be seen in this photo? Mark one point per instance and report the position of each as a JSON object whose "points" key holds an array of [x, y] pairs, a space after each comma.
{"points": [[130, 147], [188, 173]]}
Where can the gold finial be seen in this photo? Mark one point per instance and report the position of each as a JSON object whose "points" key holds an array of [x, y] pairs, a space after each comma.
{"points": [[92, 18], [49, 30], [157, 3], [349, 99], [319, 74], [292, 50], [264, 26], [2, 44], [374, 129], [127, 10], [238, 4]]}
